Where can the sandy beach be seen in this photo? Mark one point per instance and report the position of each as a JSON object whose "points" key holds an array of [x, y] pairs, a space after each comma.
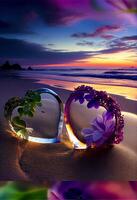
{"points": [[30, 161]]}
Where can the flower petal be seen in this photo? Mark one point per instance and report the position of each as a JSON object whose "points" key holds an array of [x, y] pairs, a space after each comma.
{"points": [[100, 123], [96, 126], [96, 105], [99, 119], [97, 135], [86, 131], [88, 97], [110, 125], [81, 100], [104, 114], [90, 104], [107, 115]]}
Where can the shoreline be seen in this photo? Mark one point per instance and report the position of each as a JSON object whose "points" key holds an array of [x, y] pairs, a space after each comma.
{"points": [[117, 97], [112, 88], [127, 104], [69, 85]]}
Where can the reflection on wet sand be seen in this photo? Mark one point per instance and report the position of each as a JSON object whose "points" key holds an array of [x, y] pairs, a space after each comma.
{"points": [[118, 90]]}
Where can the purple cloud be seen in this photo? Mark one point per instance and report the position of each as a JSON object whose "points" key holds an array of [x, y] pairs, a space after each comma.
{"points": [[127, 42], [52, 12], [108, 36], [21, 13], [99, 32]]}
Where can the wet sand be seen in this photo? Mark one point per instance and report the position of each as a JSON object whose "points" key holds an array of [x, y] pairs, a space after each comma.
{"points": [[30, 161]]}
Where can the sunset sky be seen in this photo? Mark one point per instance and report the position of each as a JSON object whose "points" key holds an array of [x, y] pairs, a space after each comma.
{"points": [[83, 33]]}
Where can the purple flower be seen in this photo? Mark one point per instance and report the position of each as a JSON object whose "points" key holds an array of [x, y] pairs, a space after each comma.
{"points": [[93, 103], [101, 129], [79, 96], [88, 97]]}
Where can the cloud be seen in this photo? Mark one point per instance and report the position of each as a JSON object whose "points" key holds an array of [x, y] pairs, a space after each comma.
{"points": [[117, 44], [113, 50], [12, 28], [85, 43], [107, 37], [51, 12], [130, 38], [51, 44], [99, 32], [31, 53], [27, 53], [124, 42], [21, 13]]}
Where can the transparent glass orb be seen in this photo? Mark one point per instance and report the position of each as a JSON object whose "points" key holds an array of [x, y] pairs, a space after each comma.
{"points": [[45, 123]]}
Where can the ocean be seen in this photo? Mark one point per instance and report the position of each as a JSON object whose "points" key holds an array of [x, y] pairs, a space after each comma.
{"points": [[120, 77], [116, 81]]}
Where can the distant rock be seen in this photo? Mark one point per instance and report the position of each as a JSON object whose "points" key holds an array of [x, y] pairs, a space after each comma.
{"points": [[30, 68], [16, 67], [8, 66]]}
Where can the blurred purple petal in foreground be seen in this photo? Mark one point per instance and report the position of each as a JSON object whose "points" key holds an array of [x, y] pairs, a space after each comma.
{"points": [[103, 190]]}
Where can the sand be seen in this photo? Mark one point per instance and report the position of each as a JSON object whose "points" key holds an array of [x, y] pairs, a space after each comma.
{"points": [[28, 161]]}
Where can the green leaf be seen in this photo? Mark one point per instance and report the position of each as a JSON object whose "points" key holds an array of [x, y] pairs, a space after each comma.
{"points": [[23, 133], [30, 114], [20, 111], [27, 108], [19, 122], [32, 108], [37, 98]]}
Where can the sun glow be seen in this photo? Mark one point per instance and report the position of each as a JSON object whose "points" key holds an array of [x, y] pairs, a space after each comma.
{"points": [[124, 59]]}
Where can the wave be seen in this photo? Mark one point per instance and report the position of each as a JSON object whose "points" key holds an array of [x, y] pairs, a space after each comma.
{"points": [[105, 75]]}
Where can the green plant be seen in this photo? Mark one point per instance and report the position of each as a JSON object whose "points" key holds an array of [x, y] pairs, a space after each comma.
{"points": [[26, 108]]}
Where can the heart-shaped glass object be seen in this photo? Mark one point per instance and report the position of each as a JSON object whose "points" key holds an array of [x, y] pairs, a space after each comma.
{"points": [[93, 118], [37, 117]]}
